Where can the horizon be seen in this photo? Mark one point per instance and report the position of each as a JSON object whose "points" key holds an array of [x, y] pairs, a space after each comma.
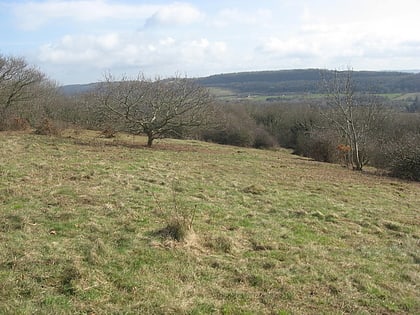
{"points": [[76, 42], [259, 71]]}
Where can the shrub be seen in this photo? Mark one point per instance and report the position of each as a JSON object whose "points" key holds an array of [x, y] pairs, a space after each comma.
{"points": [[179, 219], [320, 145], [263, 139], [230, 128], [232, 136], [322, 150], [47, 127], [176, 229], [399, 155], [19, 123], [404, 158], [109, 132], [236, 127], [407, 167]]}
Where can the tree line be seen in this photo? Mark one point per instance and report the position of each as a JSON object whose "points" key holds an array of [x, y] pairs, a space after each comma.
{"points": [[346, 125]]}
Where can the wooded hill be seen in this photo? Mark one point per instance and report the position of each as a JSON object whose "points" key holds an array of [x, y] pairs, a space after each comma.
{"points": [[308, 81], [294, 81]]}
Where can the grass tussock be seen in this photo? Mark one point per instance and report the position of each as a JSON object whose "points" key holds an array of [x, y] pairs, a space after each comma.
{"points": [[175, 229], [96, 225]]}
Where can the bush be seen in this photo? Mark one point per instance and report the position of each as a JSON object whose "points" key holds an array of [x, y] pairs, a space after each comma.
{"points": [[263, 139], [179, 218], [404, 158], [176, 229], [407, 166], [19, 123], [284, 121], [109, 132], [236, 127], [47, 127], [230, 136], [318, 145], [323, 150]]}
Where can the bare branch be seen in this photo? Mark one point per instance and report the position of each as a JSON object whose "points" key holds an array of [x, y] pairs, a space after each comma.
{"points": [[353, 116], [157, 108]]}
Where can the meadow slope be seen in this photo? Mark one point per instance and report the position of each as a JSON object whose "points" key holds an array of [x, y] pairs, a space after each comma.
{"points": [[273, 233]]}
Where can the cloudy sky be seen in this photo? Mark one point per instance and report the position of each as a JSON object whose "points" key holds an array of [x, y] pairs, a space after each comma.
{"points": [[77, 41]]}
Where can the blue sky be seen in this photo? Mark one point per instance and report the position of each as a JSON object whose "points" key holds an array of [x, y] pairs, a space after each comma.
{"points": [[78, 41]]}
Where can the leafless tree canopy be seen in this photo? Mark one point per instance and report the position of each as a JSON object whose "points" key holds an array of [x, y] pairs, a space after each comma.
{"points": [[157, 107], [17, 80], [353, 116]]}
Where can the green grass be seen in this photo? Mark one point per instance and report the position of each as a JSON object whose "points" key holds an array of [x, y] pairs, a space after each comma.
{"points": [[273, 233]]}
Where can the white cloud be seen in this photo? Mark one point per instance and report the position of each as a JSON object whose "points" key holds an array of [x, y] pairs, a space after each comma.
{"points": [[168, 41], [349, 31], [233, 16], [138, 50], [109, 41], [33, 15], [177, 13], [389, 20], [203, 51], [73, 50], [296, 47]]}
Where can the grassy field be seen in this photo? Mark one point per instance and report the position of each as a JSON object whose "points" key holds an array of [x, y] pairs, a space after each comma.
{"points": [[82, 225], [230, 95]]}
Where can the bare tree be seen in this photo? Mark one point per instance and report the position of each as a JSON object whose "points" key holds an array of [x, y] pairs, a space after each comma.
{"points": [[354, 116], [156, 108], [17, 80]]}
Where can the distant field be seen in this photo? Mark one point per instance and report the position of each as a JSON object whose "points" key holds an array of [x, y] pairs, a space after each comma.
{"points": [[82, 217], [405, 96], [220, 93], [230, 95]]}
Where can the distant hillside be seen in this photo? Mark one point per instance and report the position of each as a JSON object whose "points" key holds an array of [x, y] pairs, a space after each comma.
{"points": [[293, 81], [75, 89], [308, 81]]}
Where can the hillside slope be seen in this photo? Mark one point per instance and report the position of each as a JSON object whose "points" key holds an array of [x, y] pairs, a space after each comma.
{"points": [[293, 81], [82, 221], [308, 81]]}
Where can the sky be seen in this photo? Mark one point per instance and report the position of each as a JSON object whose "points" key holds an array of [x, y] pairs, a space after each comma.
{"points": [[78, 41]]}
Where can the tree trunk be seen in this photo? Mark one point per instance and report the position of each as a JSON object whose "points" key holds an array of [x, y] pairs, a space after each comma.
{"points": [[150, 139], [358, 162]]}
